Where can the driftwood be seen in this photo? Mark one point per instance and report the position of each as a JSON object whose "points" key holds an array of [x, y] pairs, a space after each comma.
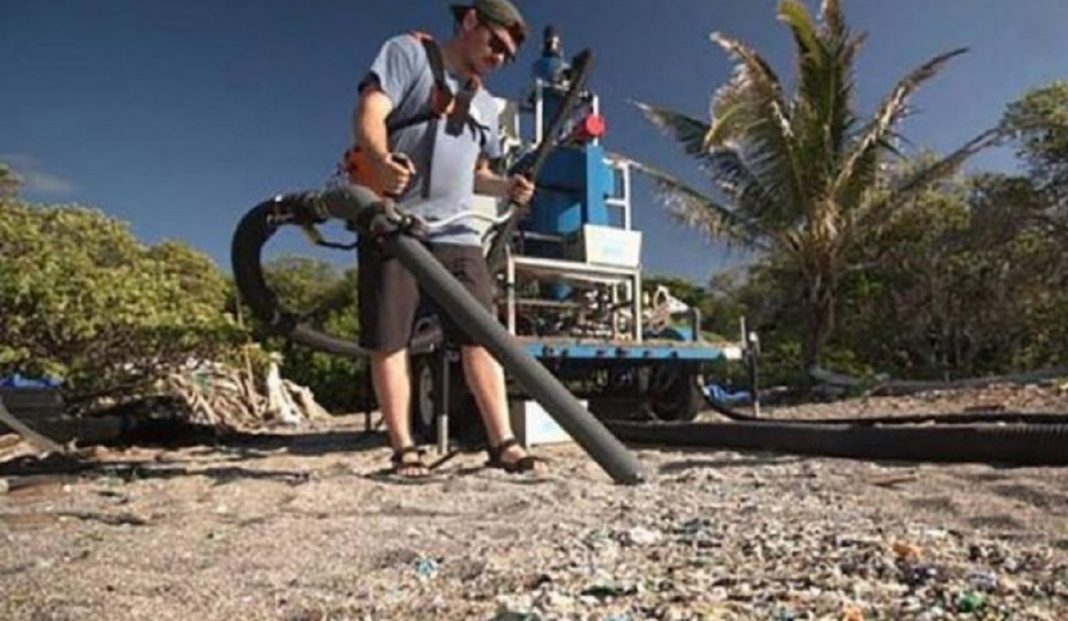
{"points": [[305, 400], [882, 386], [38, 441], [205, 395], [280, 404], [226, 398]]}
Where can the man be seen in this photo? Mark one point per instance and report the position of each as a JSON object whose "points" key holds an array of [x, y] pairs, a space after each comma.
{"points": [[433, 164]]}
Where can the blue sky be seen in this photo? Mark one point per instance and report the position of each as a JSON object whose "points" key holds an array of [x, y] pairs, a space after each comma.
{"points": [[177, 117]]}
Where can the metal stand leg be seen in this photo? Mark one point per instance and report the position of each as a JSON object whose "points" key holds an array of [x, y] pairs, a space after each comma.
{"points": [[443, 400], [369, 391], [752, 351]]}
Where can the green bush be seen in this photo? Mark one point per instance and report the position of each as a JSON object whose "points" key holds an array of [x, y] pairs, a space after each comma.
{"points": [[84, 301]]}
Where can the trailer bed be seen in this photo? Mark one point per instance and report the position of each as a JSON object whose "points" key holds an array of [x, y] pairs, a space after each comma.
{"points": [[649, 349]]}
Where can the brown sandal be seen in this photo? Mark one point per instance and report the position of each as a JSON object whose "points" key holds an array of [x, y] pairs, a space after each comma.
{"points": [[408, 468], [527, 463]]}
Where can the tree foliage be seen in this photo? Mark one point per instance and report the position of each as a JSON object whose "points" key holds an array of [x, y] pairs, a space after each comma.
{"points": [[84, 301], [966, 280], [1039, 122]]}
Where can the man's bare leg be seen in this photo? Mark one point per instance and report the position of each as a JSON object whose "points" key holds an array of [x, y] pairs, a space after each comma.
{"points": [[393, 389], [485, 378]]}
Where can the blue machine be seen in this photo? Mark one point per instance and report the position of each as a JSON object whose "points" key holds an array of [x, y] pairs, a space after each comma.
{"points": [[577, 179], [573, 290]]}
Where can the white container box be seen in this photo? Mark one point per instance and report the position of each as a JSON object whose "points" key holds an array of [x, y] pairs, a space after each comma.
{"points": [[606, 245], [533, 425]]}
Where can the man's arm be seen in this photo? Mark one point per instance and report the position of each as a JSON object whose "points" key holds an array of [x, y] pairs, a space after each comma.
{"points": [[516, 188], [369, 121], [369, 129]]}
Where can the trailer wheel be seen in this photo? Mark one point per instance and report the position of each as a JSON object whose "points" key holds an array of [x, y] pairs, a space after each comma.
{"points": [[678, 399], [463, 415], [423, 420]]}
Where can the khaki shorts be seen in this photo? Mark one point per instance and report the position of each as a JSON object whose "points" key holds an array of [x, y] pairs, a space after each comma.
{"points": [[390, 298]]}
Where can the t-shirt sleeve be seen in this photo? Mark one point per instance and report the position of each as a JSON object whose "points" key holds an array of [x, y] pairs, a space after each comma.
{"points": [[394, 69]]}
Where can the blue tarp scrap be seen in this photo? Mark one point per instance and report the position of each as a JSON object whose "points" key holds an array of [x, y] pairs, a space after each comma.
{"points": [[18, 381], [719, 394]]}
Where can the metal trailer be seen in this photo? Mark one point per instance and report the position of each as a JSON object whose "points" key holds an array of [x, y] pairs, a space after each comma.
{"points": [[571, 288]]}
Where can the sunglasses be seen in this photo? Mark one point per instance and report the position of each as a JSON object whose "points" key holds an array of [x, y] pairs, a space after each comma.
{"points": [[496, 43]]}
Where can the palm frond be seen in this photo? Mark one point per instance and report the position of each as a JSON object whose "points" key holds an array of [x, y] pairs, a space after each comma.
{"points": [[729, 111], [752, 111], [723, 163], [794, 14], [924, 177], [741, 99], [733, 176], [757, 71], [852, 47], [855, 173], [833, 18], [688, 131], [696, 210], [823, 115]]}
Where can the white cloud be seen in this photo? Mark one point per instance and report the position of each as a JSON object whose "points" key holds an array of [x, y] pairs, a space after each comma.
{"points": [[44, 183], [36, 180]]}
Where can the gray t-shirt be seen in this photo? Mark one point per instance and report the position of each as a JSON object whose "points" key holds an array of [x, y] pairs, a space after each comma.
{"points": [[403, 72]]}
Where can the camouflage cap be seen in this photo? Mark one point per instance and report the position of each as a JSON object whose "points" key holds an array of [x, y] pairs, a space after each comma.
{"points": [[500, 12]]}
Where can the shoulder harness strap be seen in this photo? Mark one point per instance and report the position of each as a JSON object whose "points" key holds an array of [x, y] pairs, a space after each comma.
{"points": [[441, 96], [443, 102]]}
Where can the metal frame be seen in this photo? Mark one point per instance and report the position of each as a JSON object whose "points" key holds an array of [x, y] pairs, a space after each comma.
{"points": [[630, 279], [622, 201]]}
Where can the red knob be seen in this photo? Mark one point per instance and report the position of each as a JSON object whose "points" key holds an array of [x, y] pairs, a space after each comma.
{"points": [[593, 126]]}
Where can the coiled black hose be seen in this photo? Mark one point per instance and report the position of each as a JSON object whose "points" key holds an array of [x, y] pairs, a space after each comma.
{"points": [[1037, 418], [1001, 444], [246, 254]]}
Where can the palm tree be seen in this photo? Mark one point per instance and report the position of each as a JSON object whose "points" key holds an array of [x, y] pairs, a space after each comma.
{"points": [[800, 171]]}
